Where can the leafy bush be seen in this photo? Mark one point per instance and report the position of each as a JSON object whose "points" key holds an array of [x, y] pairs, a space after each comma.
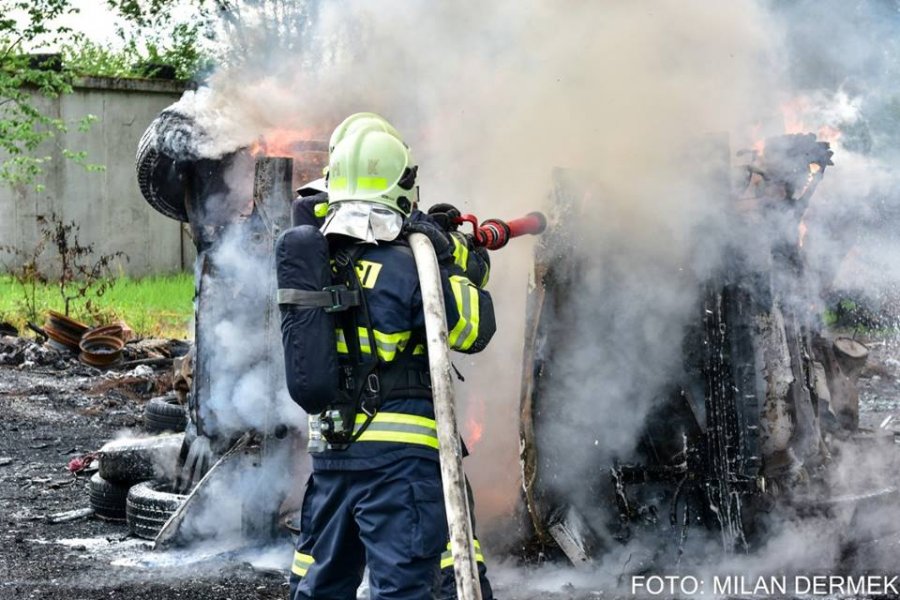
{"points": [[80, 277]]}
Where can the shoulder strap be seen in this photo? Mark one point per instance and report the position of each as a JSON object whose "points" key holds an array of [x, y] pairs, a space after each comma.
{"points": [[345, 261], [334, 298]]}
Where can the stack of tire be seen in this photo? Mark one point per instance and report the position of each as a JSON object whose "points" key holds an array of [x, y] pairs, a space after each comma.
{"points": [[164, 414], [131, 486]]}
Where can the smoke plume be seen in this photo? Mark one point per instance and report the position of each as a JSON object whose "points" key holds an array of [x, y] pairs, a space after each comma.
{"points": [[492, 97]]}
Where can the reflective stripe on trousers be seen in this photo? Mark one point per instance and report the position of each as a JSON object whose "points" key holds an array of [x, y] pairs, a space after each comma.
{"points": [[447, 556], [302, 562]]}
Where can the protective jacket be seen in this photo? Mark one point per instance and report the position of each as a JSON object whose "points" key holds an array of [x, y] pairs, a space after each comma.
{"points": [[329, 557], [404, 423]]}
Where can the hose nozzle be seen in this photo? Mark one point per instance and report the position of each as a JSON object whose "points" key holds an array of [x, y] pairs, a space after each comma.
{"points": [[493, 234]]}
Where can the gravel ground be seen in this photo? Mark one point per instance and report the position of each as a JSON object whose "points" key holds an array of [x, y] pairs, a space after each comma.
{"points": [[51, 415]]}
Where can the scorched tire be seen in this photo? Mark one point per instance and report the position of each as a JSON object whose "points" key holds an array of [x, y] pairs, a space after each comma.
{"points": [[164, 414], [149, 506], [158, 178], [131, 461], [108, 498]]}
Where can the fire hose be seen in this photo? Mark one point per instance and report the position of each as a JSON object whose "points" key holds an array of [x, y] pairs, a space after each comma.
{"points": [[492, 234]]}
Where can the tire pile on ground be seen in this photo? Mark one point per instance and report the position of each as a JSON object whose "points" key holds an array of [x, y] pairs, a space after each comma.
{"points": [[164, 414], [149, 506], [132, 483]]}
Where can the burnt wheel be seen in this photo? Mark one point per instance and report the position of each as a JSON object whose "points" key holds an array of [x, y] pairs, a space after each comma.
{"points": [[164, 414], [108, 498], [157, 173], [150, 504]]}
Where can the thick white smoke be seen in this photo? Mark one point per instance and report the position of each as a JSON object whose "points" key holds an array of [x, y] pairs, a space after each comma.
{"points": [[241, 328], [493, 96], [492, 99]]}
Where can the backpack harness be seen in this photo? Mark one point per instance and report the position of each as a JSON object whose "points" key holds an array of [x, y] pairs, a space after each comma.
{"points": [[365, 380]]}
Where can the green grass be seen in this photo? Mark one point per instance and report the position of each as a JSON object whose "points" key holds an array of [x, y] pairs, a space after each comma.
{"points": [[159, 306]]}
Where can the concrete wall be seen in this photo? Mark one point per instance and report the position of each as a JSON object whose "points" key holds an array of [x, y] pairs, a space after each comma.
{"points": [[106, 205]]}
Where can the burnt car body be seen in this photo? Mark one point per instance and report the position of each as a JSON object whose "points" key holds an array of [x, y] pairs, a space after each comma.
{"points": [[740, 430], [235, 206]]}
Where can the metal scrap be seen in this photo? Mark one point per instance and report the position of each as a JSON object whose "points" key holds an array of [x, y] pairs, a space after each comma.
{"points": [[70, 515]]}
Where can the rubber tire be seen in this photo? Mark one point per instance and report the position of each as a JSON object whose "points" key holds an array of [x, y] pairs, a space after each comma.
{"points": [[136, 460], [157, 178], [149, 506], [164, 414], [107, 498]]}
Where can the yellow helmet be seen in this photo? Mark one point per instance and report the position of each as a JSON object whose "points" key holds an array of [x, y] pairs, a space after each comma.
{"points": [[357, 122], [372, 166]]}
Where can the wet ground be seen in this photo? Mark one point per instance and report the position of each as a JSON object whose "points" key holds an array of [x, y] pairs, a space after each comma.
{"points": [[879, 384], [51, 415], [48, 418]]}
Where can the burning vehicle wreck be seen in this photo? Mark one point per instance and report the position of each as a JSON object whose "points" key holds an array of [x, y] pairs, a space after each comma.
{"points": [[738, 409], [241, 423], [757, 414], [693, 371]]}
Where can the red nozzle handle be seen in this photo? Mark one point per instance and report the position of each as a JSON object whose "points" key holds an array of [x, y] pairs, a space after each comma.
{"points": [[493, 234]]}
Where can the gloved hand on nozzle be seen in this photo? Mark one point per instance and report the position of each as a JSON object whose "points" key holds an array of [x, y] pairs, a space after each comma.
{"points": [[444, 215], [419, 222]]}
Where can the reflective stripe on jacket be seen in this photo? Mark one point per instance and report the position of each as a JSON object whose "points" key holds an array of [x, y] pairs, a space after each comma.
{"points": [[389, 279]]}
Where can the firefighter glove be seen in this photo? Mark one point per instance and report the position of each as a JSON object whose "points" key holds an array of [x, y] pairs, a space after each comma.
{"points": [[444, 215], [440, 239]]}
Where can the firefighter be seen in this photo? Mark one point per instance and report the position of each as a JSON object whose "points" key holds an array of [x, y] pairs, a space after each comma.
{"points": [[375, 494], [311, 207]]}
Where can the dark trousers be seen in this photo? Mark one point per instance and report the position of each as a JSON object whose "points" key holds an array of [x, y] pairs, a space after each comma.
{"points": [[391, 518]]}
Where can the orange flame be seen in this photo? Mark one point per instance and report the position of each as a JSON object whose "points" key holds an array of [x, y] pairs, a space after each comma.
{"points": [[796, 111], [830, 134], [474, 428], [792, 112], [283, 142], [759, 145]]}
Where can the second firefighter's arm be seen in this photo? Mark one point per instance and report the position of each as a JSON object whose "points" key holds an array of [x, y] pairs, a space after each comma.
{"points": [[470, 313], [470, 260], [464, 270]]}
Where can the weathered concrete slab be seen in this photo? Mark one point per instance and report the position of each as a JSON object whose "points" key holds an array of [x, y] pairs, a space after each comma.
{"points": [[106, 205]]}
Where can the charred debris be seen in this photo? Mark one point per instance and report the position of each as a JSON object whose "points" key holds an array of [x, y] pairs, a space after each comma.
{"points": [[751, 427], [236, 205]]}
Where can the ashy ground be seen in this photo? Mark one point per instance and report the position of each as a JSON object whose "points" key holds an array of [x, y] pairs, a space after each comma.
{"points": [[52, 413]]}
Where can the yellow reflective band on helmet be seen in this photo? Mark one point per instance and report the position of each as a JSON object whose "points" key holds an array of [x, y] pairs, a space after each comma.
{"points": [[460, 252], [465, 332], [302, 562], [320, 209], [371, 184], [387, 344], [364, 183], [447, 556], [398, 427]]}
